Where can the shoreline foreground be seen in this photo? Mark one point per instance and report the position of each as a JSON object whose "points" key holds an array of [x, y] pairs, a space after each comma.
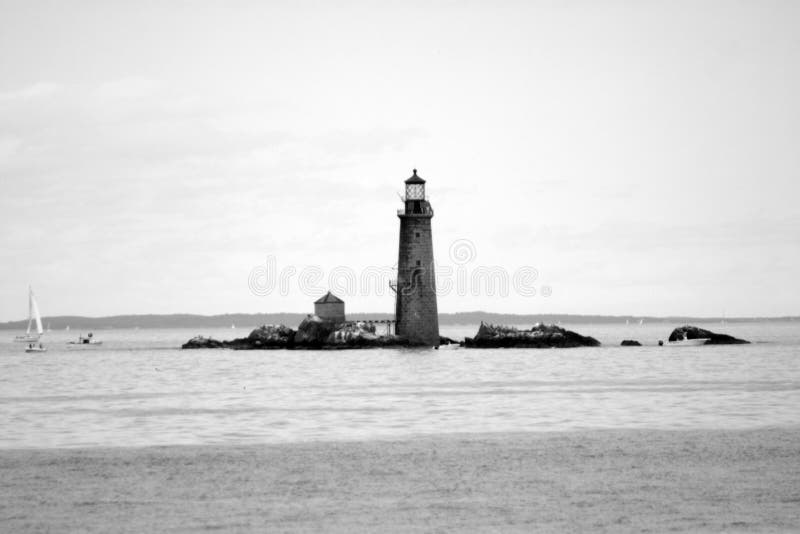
{"points": [[595, 480]]}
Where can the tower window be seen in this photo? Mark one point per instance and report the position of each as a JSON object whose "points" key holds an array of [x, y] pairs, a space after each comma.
{"points": [[417, 234], [417, 263]]}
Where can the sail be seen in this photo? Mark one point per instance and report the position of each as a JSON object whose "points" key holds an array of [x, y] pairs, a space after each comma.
{"points": [[33, 314], [30, 310]]}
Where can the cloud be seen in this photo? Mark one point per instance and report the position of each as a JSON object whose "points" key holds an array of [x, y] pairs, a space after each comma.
{"points": [[31, 92], [8, 146], [129, 88], [137, 182], [146, 125]]}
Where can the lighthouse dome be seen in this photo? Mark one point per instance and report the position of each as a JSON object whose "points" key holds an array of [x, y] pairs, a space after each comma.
{"points": [[415, 179]]}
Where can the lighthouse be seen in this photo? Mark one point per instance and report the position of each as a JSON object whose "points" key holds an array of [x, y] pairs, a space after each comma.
{"points": [[416, 311]]}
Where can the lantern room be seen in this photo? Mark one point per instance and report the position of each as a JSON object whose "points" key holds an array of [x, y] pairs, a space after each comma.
{"points": [[415, 187], [415, 202]]}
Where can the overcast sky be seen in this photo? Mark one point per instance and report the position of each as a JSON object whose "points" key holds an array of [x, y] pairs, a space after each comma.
{"points": [[642, 156]]}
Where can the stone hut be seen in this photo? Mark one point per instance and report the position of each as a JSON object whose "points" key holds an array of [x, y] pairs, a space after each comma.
{"points": [[329, 307]]}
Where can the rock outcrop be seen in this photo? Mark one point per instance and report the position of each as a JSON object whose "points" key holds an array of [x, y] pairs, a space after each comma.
{"points": [[693, 332], [271, 336], [201, 342], [313, 333], [630, 343], [268, 336], [540, 336], [353, 333]]}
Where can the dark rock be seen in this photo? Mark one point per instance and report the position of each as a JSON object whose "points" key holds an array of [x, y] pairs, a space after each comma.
{"points": [[361, 335], [263, 337], [267, 336], [630, 343], [353, 334], [693, 332], [308, 336], [313, 331], [539, 336], [200, 342], [443, 340]]}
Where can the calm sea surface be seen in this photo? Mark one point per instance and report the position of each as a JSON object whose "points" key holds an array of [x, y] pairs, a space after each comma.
{"points": [[139, 388]]}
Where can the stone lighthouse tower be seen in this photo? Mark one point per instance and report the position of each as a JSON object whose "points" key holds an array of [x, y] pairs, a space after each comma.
{"points": [[416, 311]]}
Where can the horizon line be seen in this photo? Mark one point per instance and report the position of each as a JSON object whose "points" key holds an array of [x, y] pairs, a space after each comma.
{"points": [[441, 314]]}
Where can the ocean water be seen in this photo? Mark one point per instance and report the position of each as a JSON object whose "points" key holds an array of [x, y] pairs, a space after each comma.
{"points": [[139, 388]]}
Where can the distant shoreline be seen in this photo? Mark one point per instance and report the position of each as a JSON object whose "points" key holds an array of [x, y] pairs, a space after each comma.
{"points": [[180, 320]]}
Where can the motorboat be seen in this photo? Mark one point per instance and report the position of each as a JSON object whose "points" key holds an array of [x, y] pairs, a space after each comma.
{"points": [[686, 342], [84, 341]]}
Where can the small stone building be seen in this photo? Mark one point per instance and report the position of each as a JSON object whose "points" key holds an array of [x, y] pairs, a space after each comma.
{"points": [[329, 307]]}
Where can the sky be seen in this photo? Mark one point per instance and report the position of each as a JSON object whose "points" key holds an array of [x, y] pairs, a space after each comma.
{"points": [[626, 157]]}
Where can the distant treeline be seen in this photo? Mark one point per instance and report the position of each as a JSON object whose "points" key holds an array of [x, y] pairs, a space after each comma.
{"points": [[293, 319]]}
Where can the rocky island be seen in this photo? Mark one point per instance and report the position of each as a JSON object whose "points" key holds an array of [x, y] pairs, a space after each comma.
{"points": [[313, 333], [540, 336], [693, 332]]}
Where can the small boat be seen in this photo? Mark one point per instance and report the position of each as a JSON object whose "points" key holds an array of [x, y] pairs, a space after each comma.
{"points": [[33, 316], [686, 342], [88, 340], [34, 348]]}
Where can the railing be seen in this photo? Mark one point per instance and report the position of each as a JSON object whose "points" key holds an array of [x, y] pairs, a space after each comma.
{"points": [[425, 212]]}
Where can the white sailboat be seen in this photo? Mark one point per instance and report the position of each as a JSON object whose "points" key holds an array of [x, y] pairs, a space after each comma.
{"points": [[33, 315]]}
